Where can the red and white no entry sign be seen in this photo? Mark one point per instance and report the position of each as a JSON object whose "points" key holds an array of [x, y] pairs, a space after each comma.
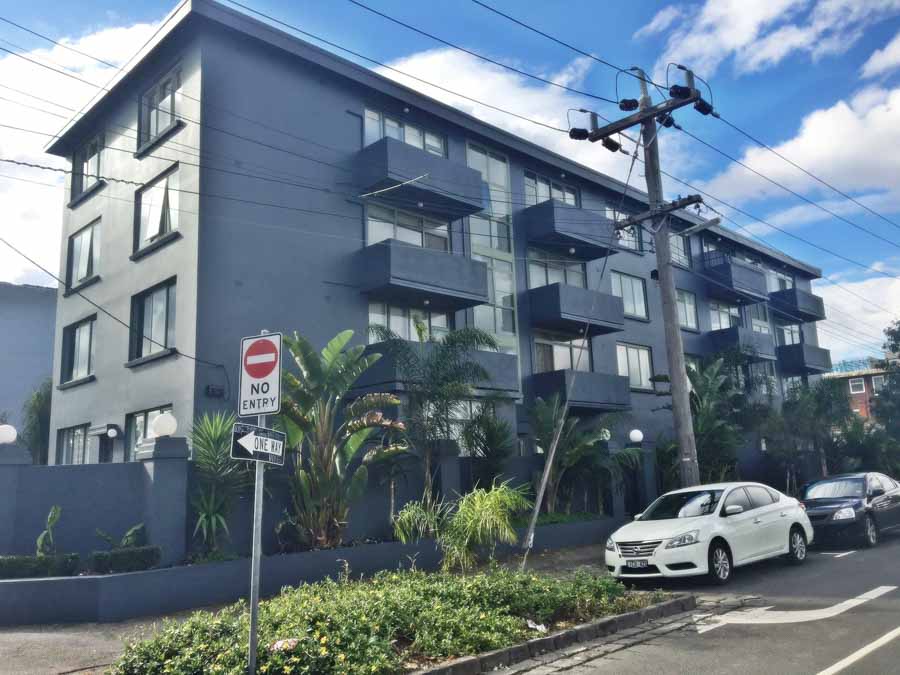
{"points": [[260, 375]]}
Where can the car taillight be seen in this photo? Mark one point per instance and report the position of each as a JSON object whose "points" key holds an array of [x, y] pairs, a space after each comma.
{"points": [[802, 505]]}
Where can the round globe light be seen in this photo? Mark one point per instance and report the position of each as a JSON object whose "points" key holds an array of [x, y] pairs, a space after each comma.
{"points": [[112, 433], [636, 436], [8, 434], [164, 425]]}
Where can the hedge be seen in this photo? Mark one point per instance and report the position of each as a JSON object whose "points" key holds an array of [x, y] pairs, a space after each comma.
{"points": [[27, 566], [129, 559]]}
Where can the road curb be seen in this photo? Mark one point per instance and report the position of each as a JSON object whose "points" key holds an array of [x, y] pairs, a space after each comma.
{"points": [[586, 632]]}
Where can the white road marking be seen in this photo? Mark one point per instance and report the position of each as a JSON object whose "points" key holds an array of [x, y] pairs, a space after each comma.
{"points": [[861, 653], [892, 527], [766, 615], [844, 555], [835, 554]]}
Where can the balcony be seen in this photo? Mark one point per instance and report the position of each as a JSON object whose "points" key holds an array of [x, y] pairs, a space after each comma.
{"points": [[797, 306], [556, 226], [386, 374], [568, 308], [449, 189], [757, 346], [591, 392], [394, 271], [803, 359], [734, 280]]}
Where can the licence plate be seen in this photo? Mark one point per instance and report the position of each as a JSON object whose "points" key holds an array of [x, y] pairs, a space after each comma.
{"points": [[635, 563]]}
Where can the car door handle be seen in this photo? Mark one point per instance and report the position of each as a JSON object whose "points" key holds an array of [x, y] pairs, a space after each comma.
{"points": [[784, 514], [756, 521]]}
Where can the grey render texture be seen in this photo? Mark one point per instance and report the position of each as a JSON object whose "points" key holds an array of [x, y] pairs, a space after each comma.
{"points": [[27, 319], [258, 249]]}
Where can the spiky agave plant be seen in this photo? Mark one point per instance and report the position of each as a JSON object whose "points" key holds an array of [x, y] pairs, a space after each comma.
{"points": [[335, 438]]}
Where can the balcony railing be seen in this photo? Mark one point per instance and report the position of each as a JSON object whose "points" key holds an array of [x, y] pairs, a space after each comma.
{"points": [[568, 309], [803, 359], [734, 280], [756, 346], [592, 392], [797, 306], [577, 233], [447, 189], [394, 271]]}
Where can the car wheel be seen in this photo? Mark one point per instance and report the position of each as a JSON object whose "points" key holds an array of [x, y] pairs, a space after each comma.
{"points": [[871, 534], [719, 563], [797, 546]]}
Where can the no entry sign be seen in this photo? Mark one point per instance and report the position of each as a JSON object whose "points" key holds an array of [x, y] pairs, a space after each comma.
{"points": [[260, 375]]}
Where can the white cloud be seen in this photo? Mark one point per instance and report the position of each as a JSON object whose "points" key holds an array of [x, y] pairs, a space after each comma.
{"points": [[32, 214], [663, 19], [883, 60], [759, 35]]}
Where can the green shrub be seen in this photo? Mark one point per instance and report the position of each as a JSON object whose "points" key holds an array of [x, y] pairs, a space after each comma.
{"points": [[26, 566], [378, 625], [131, 559]]}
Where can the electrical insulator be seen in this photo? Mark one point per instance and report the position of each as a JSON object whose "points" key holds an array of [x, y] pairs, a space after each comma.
{"points": [[679, 91], [665, 120], [611, 145], [703, 107], [628, 104], [578, 134]]}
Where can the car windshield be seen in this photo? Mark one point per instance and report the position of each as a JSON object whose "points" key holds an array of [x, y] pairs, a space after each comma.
{"points": [[836, 489], [683, 505]]}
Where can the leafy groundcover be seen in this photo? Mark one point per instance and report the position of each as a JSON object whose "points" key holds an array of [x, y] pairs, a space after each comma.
{"points": [[391, 623]]}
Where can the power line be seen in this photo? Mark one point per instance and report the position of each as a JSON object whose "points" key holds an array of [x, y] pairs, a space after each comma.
{"points": [[60, 44]]}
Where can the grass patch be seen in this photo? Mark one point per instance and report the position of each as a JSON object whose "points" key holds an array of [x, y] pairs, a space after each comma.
{"points": [[391, 623]]}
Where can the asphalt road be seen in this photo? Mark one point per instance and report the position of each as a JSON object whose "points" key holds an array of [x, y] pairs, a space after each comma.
{"points": [[773, 640]]}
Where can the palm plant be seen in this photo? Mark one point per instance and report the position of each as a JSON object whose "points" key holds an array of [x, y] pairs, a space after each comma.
{"points": [[576, 444], [715, 404], [220, 478], [491, 440], [440, 377], [335, 439]]}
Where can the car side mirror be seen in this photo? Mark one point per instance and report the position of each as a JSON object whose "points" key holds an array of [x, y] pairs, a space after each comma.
{"points": [[733, 510], [876, 492], [637, 516]]}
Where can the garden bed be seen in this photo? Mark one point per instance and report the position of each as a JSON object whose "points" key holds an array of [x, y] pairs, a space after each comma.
{"points": [[395, 622]]}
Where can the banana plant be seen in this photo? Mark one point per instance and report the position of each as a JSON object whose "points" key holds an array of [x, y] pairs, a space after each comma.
{"points": [[335, 436], [45, 544]]}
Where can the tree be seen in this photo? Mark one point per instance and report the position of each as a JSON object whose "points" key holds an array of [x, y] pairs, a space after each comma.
{"points": [[440, 376], [36, 422], [577, 443], [334, 438], [811, 415], [715, 403], [490, 439]]}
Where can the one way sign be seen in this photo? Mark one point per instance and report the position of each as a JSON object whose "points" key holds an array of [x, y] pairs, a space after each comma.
{"points": [[257, 444]]}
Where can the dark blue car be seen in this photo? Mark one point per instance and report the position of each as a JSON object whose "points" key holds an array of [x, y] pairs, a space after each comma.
{"points": [[852, 508]]}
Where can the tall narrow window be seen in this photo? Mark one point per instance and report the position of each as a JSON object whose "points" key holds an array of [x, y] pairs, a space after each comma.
{"points": [[498, 316], [680, 249], [633, 293], [723, 315], [78, 350], [636, 364], [71, 445], [687, 309], [84, 254], [759, 318], [153, 320], [159, 108], [86, 167], [157, 209]]}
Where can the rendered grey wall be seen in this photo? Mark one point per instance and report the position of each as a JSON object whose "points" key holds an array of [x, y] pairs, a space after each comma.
{"points": [[27, 319]]}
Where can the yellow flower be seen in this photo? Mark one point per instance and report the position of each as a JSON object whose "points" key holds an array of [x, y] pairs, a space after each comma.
{"points": [[324, 639], [342, 657], [323, 651]]}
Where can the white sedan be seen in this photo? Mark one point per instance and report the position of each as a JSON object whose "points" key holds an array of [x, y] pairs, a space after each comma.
{"points": [[709, 529]]}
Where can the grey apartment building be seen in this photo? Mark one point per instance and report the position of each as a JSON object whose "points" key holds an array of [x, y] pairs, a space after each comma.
{"points": [[246, 159]]}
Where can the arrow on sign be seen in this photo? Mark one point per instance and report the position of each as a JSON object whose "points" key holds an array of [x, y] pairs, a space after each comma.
{"points": [[253, 443]]}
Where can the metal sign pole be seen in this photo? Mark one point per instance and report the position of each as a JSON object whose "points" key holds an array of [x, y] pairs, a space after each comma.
{"points": [[255, 556]]}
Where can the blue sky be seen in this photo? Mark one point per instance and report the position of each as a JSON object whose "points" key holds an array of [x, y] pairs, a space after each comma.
{"points": [[792, 72]]}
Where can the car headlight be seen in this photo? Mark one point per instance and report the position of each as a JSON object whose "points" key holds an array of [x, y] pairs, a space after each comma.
{"points": [[846, 513], [685, 539], [611, 545]]}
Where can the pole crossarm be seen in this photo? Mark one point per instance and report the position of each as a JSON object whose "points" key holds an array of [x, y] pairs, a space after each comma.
{"points": [[636, 118], [663, 209], [699, 228]]}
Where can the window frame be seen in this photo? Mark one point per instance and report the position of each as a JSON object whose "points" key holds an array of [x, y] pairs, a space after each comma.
{"points": [[93, 261], [857, 379], [433, 332], [718, 309], [138, 318], [146, 136], [760, 320], [556, 341], [631, 238], [679, 257], [538, 257], [69, 347], [678, 307], [536, 178], [614, 274], [130, 444], [62, 457], [882, 381], [420, 226], [402, 125], [80, 160], [792, 330], [167, 228], [639, 348]]}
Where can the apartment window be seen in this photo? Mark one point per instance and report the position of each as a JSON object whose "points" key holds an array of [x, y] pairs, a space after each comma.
{"points": [[762, 376], [139, 428], [778, 281], [759, 318], [553, 352], [877, 384], [384, 223], [153, 320], [539, 189], [490, 233], [86, 167], [636, 364], [378, 126], [405, 321], [84, 254], [549, 268], [461, 416], [857, 385], [791, 385], [494, 170], [157, 209], [498, 316], [633, 292], [686, 303], [71, 445], [680, 249], [723, 315], [78, 350], [788, 334], [159, 107], [630, 237]]}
